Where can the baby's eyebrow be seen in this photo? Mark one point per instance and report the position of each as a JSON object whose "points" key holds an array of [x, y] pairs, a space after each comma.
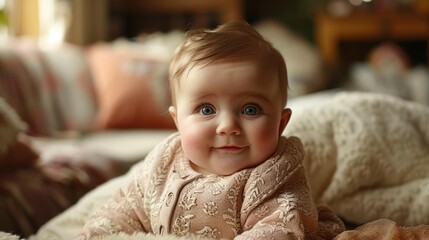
{"points": [[256, 95]]}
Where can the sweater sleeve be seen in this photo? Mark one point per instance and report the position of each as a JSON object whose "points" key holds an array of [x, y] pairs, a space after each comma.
{"points": [[125, 212], [277, 202], [122, 213]]}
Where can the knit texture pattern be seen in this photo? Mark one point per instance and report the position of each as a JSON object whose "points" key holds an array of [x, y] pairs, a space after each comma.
{"points": [[367, 156]]}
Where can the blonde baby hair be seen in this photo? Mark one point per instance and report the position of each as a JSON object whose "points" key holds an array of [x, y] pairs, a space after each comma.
{"points": [[233, 42]]}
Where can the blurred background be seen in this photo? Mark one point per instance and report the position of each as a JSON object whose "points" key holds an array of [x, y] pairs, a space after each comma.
{"points": [[343, 32]]}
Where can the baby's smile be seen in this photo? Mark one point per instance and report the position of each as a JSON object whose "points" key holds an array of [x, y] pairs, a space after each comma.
{"points": [[230, 149]]}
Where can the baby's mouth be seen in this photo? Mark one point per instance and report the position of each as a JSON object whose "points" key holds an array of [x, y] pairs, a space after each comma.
{"points": [[231, 149]]}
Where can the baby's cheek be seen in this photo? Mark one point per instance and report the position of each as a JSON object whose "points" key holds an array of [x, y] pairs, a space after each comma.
{"points": [[189, 140], [268, 138], [266, 130], [192, 139]]}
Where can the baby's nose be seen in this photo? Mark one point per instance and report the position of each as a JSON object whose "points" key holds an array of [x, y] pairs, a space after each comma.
{"points": [[228, 125]]}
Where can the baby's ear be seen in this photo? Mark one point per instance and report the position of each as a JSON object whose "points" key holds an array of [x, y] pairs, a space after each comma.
{"points": [[173, 114], [286, 114]]}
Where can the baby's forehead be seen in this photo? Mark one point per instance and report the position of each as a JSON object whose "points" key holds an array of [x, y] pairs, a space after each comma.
{"points": [[253, 63], [230, 77], [211, 71]]}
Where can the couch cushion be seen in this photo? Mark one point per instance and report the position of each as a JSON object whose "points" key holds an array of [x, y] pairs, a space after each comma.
{"points": [[303, 78], [132, 87], [49, 87], [74, 90]]}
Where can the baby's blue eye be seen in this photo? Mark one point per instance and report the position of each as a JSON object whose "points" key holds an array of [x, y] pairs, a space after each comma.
{"points": [[251, 110], [207, 110]]}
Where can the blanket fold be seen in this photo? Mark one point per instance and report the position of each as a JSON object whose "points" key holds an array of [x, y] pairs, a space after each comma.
{"points": [[367, 156]]}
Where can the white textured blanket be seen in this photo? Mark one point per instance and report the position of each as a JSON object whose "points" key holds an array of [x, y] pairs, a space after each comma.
{"points": [[367, 156]]}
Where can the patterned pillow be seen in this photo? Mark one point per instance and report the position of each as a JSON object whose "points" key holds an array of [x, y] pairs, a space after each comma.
{"points": [[74, 92], [50, 88], [131, 87]]}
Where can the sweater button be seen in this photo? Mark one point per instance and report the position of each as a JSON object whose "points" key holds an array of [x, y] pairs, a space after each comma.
{"points": [[169, 199]]}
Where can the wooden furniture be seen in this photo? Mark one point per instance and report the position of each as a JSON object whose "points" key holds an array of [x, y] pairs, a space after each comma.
{"points": [[132, 17], [363, 26]]}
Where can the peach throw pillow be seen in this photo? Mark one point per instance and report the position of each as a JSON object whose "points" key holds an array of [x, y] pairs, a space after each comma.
{"points": [[131, 87]]}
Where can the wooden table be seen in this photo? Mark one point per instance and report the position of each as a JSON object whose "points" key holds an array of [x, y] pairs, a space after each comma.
{"points": [[368, 26]]}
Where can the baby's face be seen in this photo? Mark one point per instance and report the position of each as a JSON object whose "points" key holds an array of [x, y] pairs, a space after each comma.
{"points": [[229, 116]]}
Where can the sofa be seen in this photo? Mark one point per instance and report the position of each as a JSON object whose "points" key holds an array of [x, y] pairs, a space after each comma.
{"points": [[69, 132]]}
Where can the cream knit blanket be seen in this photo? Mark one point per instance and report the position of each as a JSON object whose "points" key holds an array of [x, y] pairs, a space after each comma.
{"points": [[367, 156]]}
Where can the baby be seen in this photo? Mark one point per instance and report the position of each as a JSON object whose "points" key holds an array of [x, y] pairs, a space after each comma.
{"points": [[228, 172]]}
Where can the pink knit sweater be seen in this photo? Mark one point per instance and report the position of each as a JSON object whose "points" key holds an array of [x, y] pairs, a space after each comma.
{"points": [[166, 196]]}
